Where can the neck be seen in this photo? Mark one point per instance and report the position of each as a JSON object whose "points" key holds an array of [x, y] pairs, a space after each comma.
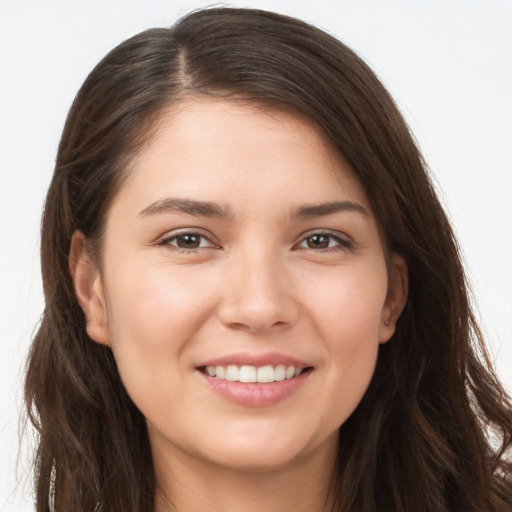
{"points": [[185, 484]]}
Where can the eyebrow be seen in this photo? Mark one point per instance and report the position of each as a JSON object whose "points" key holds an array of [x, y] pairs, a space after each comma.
{"points": [[209, 209], [320, 210], [188, 206]]}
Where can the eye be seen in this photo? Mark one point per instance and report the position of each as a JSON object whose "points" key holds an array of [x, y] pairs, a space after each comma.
{"points": [[187, 241], [324, 241]]}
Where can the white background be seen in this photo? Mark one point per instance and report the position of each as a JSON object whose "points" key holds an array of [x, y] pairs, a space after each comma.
{"points": [[448, 63]]}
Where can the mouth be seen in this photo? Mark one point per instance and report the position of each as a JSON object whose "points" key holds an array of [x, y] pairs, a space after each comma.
{"points": [[254, 374], [255, 380]]}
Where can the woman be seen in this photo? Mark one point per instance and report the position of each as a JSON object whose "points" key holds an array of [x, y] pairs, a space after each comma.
{"points": [[254, 300]]}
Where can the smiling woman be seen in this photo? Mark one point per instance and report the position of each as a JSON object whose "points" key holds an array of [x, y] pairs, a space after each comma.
{"points": [[254, 299], [250, 282]]}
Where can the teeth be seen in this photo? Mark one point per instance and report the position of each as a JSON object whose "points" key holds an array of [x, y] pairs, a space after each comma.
{"points": [[232, 373], [247, 374], [265, 374], [261, 374], [280, 372]]}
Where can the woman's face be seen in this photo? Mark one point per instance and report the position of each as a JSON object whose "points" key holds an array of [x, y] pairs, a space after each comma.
{"points": [[241, 248]]}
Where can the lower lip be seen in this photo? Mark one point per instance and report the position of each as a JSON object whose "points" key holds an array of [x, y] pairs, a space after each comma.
{"points": [[255, 394]]}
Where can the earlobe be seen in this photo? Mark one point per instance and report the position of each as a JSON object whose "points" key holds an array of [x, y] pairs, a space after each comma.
{"points": [[88, 287], [396, 298]]}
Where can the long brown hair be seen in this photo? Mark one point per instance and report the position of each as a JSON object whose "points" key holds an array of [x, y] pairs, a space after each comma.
{"points": [[434, 429]]}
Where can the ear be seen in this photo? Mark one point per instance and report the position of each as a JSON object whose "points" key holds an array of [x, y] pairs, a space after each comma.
{"points": [[396, 298], [88, 287]]}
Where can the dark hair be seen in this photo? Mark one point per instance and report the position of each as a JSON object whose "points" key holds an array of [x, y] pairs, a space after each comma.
{"points": [[434, 429]]}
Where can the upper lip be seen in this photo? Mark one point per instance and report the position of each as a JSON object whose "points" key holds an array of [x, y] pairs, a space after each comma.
{"points": [[258, 360]]}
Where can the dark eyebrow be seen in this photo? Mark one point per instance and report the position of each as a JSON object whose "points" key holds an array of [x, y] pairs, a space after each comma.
{"points": [[188, 206], [319, 210]]}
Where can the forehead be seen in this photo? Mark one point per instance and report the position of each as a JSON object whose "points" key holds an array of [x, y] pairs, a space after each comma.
{"points": [[223, 151]]}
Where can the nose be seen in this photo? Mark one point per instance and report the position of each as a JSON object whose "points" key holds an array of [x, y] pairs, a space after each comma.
{"points": [[258, 295]]}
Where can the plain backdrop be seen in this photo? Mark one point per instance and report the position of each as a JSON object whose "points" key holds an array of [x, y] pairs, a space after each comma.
{"points": [[447, 63]]}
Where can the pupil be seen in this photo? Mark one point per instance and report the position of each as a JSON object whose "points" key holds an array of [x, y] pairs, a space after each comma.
{"points": [[318, 242], [188, 241]]}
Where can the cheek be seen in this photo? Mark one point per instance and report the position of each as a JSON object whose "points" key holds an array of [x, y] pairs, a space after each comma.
{"points": [[152, 298], [152, 314], [347, 307], [348, 314]]}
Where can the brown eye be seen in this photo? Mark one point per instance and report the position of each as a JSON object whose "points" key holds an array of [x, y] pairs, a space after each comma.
{"points": [[325, 241], [187, 241], [319, 241]]}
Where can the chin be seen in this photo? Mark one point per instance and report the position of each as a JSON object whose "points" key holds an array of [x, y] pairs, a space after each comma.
{"points": [[255, 454], [254, 460]]}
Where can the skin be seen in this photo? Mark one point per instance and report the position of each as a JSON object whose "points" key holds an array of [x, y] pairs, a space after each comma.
{"points": [[259, 282]]}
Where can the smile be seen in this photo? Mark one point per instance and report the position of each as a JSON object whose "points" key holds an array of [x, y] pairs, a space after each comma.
{"points": [[255, 374]]}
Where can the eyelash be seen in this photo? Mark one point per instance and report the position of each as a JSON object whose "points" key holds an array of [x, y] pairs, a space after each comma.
{"points": [[167, 242], [340, 242]]}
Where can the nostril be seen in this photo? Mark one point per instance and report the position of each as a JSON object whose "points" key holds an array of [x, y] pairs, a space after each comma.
{"points": [[257, 306]]}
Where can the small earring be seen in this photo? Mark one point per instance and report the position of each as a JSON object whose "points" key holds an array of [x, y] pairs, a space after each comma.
{"points": [[386, 323]]}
